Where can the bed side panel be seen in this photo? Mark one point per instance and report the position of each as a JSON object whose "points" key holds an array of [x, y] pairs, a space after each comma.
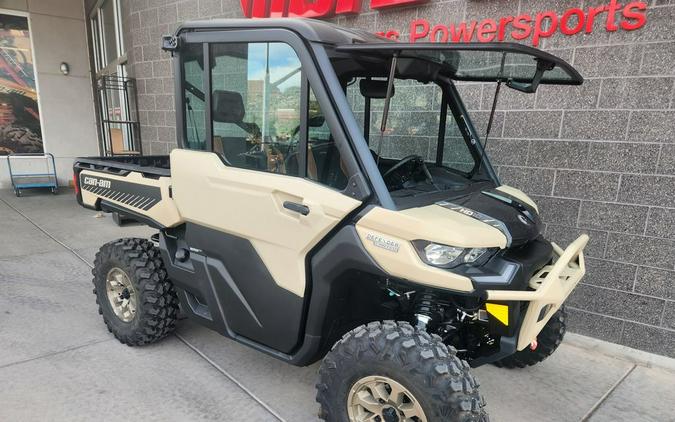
{"points": [[147, 197]]}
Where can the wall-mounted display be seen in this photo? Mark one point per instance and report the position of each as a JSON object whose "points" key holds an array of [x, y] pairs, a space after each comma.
{"points": [[20, 130]]}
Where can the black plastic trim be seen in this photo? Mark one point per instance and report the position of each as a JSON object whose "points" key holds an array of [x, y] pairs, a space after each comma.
{"points": [[507, 347], [152, 166], [341, 252], [130, 214], [225, 273], [509, 269]]}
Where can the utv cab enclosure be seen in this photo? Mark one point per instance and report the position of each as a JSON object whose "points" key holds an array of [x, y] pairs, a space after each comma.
{"points": [[331, 196]]}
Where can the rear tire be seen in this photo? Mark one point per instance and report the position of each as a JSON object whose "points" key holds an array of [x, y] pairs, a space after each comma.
{"points": [[132, 269], [396, 356], [548, 341]]}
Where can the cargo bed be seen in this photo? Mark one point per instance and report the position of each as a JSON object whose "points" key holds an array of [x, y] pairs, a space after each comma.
{"points": [[137, 186], [151, 165]]}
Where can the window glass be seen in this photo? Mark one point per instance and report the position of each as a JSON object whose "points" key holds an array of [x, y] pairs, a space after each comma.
{"points": [[96, 41], [116, 91], [255, 91], [324, 164], [109, 33], [412, 124], [194, 110], [456, 153]]}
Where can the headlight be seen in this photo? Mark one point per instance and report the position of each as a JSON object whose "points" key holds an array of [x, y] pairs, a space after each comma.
{"points": [[440, 254], [445, 256], [474, 254]]}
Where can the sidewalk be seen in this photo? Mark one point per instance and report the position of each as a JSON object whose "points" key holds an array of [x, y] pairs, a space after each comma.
{"points": [[58, 362]]}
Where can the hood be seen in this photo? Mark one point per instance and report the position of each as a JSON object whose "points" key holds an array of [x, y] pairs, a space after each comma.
{"points": [[518, 220]]}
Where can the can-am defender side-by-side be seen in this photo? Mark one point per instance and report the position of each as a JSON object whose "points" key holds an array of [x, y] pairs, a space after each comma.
{"points": [[331, 198]]}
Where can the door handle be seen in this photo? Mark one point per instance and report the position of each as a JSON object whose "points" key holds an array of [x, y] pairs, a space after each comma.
{"points": [[295, 207]]}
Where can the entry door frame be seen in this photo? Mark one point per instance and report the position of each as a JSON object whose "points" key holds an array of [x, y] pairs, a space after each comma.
{"points": [[358, 186]]}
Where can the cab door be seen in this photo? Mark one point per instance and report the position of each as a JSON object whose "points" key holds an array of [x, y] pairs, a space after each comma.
{"points": [[253, 212]]}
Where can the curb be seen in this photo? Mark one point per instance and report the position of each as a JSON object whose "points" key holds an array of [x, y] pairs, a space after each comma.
{"points": [[617, 351]]}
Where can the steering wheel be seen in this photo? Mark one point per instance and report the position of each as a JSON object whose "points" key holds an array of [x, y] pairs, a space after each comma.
{"points": [[413, 161]]}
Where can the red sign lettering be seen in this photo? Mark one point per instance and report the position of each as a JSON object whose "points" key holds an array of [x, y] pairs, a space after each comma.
{"points": [[299, 8], [540, 26], [381, 4]]}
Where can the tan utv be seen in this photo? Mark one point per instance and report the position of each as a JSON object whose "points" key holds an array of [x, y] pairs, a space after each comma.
{"points": [[330, 198]]}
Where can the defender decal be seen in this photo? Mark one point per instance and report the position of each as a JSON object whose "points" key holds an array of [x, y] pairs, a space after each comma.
{"points": [[499, 225], [383, 243]]}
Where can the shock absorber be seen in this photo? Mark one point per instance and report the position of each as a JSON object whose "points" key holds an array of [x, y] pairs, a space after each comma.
{"points": [[425, 308]]}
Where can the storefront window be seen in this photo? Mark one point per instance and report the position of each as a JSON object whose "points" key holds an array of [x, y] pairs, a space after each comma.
{"points": [[106, 28], [116, 92], [109, 31]]}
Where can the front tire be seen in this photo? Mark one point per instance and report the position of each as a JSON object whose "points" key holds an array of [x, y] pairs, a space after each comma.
{"points": [[389, 372], [134, 295], [548, 341]]}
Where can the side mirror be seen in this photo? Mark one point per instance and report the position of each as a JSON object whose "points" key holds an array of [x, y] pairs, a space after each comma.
{"points": [[170, 43], [374, 88]]}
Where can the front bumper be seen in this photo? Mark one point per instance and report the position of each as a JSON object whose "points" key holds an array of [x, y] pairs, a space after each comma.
{"points": [[551, 286]]}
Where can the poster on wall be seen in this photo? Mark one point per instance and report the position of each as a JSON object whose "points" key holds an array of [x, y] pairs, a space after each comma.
{"points": [[19, 119]]}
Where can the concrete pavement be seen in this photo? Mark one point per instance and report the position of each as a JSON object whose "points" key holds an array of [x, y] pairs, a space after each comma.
{"points": [[58, 362]]}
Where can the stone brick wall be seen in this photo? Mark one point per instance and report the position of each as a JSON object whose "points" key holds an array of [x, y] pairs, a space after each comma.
{"points": [[599, 158]]}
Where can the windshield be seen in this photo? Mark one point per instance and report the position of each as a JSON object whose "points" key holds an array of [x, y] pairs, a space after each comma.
{"points": [[413, 125], [429, 150]]}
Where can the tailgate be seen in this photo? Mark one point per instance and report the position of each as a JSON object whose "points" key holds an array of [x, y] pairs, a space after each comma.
{"points": [[146, 199]]}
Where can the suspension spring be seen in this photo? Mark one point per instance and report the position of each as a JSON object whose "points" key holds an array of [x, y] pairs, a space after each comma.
{"points": [[425, 308]]}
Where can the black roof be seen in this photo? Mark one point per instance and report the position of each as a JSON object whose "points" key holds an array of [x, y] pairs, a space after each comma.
{"points": [[351, 40], [310, 29]]}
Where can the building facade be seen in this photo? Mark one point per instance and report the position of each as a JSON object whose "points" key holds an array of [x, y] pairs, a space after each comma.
{"points": [[44, 106], [599, 158]]}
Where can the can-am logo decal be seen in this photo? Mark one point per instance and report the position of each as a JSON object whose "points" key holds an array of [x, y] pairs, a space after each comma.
{"points": [[93, 181], [527, 26], [383, 243]]}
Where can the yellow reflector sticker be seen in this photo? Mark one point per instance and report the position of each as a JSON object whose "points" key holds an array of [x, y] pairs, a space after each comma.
{"points": [[501, 312]]}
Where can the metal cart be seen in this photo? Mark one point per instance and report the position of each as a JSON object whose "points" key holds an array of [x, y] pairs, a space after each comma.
{"points": [[32, 170]]}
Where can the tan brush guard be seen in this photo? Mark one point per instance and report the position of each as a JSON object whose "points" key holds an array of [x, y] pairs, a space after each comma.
{"points": [[552, 284]]}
